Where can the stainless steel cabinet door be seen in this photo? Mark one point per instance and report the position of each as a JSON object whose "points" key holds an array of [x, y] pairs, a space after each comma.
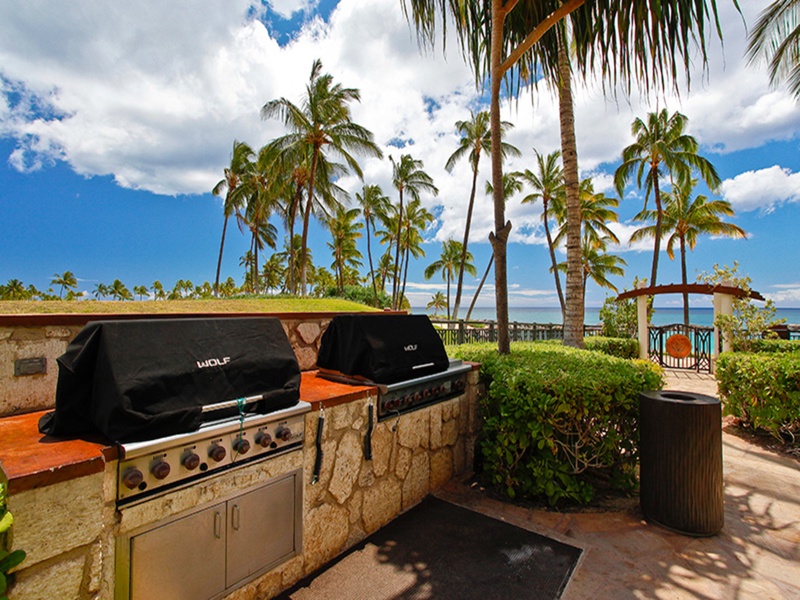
{"points": [[182, 559], [261, 529]]}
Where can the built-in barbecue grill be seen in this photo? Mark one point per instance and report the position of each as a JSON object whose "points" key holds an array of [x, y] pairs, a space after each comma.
{"points": [[185, 398], [192, 402], [402, 355]]}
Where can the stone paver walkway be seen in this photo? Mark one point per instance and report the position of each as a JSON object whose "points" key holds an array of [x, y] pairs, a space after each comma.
{"points": [[756, 556]]}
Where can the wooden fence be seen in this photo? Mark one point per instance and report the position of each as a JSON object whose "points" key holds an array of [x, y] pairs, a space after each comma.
{"points": [[465, 332]]}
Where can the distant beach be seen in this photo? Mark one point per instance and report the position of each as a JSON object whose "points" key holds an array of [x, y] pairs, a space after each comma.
{"points": [[662, 316]]}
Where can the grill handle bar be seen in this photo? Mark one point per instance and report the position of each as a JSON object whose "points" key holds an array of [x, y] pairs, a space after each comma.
{"points": [[231, 403]]}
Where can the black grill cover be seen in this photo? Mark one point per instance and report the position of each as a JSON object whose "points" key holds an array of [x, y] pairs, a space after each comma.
{"points": [[144, 379], [382, 348]]}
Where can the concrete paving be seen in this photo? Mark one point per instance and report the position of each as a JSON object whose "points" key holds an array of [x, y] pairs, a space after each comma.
{"points": [[756, 555]]}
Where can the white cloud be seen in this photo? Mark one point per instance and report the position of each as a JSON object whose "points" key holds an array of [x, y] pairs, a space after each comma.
{"points": [[154, 94], [764, 190]]}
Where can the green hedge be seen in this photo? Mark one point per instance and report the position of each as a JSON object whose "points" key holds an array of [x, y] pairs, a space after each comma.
{"points": [[613, 346], [559, 422], [762, 389], [770, 345]]}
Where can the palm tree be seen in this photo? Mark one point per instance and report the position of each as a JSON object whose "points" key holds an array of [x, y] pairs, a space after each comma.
{"points": [[373, 203], [648, 42], [597, 264], [273, 271], [596, 210], [322, 124], [407, 176], [14, 289], [119, 291], [447, 264], [415, 221], [66, 280], [228, 288], [776, 39], [345, 232], [685, 220], [475, 139], [241, 158], [158, 290], [384, 270], [100, 291], [438, 302], [547, 184], [511, 185], [661, 148], [140, 290]]}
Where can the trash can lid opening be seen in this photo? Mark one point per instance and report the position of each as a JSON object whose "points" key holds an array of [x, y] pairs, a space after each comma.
{"points": [[678, 396]]}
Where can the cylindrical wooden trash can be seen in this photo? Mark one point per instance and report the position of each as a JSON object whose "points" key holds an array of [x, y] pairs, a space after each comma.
{"points": [[681, 461]]}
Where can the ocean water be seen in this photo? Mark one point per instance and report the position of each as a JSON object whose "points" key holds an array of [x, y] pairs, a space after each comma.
{"points": [[703, 316]]}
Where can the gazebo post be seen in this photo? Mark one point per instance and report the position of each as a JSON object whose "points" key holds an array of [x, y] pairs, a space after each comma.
{"points": [[723, 305], [641, 320]]}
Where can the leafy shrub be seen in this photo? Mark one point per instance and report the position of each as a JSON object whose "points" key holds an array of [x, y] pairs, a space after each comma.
{"points": [[763, 390], [613, 346], [620, 318], [768, 345], [748, 323], [559, 422], [8, 559]]}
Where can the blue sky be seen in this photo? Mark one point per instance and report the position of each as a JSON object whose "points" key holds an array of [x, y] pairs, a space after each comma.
{"points": [[116, 121]]}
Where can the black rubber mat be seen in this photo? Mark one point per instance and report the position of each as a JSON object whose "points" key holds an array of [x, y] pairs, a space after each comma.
{"points": [[439, 550]]}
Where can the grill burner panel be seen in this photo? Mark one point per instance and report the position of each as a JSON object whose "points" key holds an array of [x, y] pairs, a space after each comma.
{"points": [[405, 396], [157, 466]]}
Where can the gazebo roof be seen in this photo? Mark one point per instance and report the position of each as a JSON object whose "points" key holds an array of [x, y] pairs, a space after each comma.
{"points": [[691, 288]]}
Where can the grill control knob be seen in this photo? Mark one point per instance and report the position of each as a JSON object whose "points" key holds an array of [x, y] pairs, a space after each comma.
{"points": [[132, 477], [217, 453], [241, 445], [160, 469], [263, 439], [190, 461], [283, 433], [426, 393]]}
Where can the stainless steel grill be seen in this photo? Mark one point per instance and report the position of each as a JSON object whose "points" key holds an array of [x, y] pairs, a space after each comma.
{"points": [[411, 394]]}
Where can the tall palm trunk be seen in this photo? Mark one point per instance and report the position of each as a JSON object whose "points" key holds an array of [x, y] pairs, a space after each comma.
{"points": [[371, 268], [298, 198], [255, 277], [306, 219], [553, 259], [657, 242], [219, 260], [406, 260], [395, 287], [480, 287], [574, 313], [683, 281], [499, 237], [466, 239]]}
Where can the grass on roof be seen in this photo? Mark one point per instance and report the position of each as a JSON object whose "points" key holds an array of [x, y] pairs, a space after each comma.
{"points": [[236, 305]]}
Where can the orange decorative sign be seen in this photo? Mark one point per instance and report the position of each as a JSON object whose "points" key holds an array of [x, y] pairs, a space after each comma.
{"points": [[679, 346]]}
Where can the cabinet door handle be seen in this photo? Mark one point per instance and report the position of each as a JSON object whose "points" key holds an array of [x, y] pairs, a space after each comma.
{"points": [[235, 517], [217, 525]]}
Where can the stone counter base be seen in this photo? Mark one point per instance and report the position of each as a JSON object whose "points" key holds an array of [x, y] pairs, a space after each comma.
{"points": [[69, 529]]}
